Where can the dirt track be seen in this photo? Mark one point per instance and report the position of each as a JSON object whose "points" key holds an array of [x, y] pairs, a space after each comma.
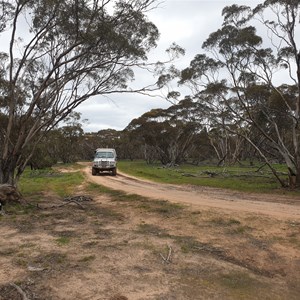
{"points": [[279, 206], [113, 247]]}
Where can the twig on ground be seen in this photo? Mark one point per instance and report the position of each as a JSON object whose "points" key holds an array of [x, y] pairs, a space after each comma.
{"points": [[168, 258], [35, 269], [169, 254], [23, 294], [79, 198], [164, 259], [69, 201]]}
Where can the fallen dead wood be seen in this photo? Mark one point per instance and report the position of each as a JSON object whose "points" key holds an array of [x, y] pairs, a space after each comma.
{"points": [[69, 201], [72, 199], [79, 198], [35, 269], [168, 258], [20, 291]]}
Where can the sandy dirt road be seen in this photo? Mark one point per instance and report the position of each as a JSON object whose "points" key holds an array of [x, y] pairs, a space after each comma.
{"points": [[220, 245], [278, 206]]}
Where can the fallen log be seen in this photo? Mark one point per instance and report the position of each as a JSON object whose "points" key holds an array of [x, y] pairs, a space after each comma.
{"points": [[9, 194]]}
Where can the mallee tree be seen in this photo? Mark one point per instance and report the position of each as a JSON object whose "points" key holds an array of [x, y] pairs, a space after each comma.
{"points": [[236, 80], [56, 55]]}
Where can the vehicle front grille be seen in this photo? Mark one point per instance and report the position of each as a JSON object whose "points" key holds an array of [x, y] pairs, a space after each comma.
{"points": [[102, 164]]}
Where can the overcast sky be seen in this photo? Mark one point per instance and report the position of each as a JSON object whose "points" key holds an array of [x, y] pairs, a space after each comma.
{"points": [[185, 22]]}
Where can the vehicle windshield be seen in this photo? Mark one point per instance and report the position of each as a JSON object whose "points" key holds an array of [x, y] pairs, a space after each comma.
{"points": [[104, 155]]}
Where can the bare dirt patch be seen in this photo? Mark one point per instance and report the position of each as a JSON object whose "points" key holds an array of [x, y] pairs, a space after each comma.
{"points": [[113, 247], [279, 206]]}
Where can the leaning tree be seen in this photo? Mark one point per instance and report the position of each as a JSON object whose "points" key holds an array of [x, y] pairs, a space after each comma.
{"points": [[56, 54], [250, 82]]}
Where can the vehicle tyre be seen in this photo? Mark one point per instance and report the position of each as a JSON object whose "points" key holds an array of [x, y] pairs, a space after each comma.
{"points": [[94, 171], [114, 172]]}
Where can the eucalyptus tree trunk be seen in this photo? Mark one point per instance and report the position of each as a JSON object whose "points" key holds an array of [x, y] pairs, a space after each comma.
{"points": [[7, 172], [57, 54]]}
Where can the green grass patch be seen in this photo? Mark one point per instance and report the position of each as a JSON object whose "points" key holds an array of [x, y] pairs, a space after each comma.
{"points": [[88, 258], [239, 230], [295, 241], [63, 241], [106, 214], [34, 183], [150, 229], [27, 245], [93, 187], [71, 166], [8, 251], [19, 209], [239, 283], [242, 178], [231, 226], [224, 222], [52, 260]]}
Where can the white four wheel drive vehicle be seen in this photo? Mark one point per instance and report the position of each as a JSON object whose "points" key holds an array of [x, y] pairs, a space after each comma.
{"points": [[105, 160]]}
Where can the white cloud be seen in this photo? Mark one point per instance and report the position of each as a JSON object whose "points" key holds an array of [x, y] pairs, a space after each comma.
{"points": [[185, 22], [117, 111]]}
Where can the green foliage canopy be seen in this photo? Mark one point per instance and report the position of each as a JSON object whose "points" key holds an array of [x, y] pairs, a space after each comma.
{"points": [[58, 54]]}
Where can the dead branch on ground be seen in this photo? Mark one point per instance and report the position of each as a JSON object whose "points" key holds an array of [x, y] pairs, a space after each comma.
{"points": [[168, 258], [73, 199], [20, 291]]}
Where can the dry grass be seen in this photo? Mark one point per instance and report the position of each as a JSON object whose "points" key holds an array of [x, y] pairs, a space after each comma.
{"points": [[112, 249]]}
